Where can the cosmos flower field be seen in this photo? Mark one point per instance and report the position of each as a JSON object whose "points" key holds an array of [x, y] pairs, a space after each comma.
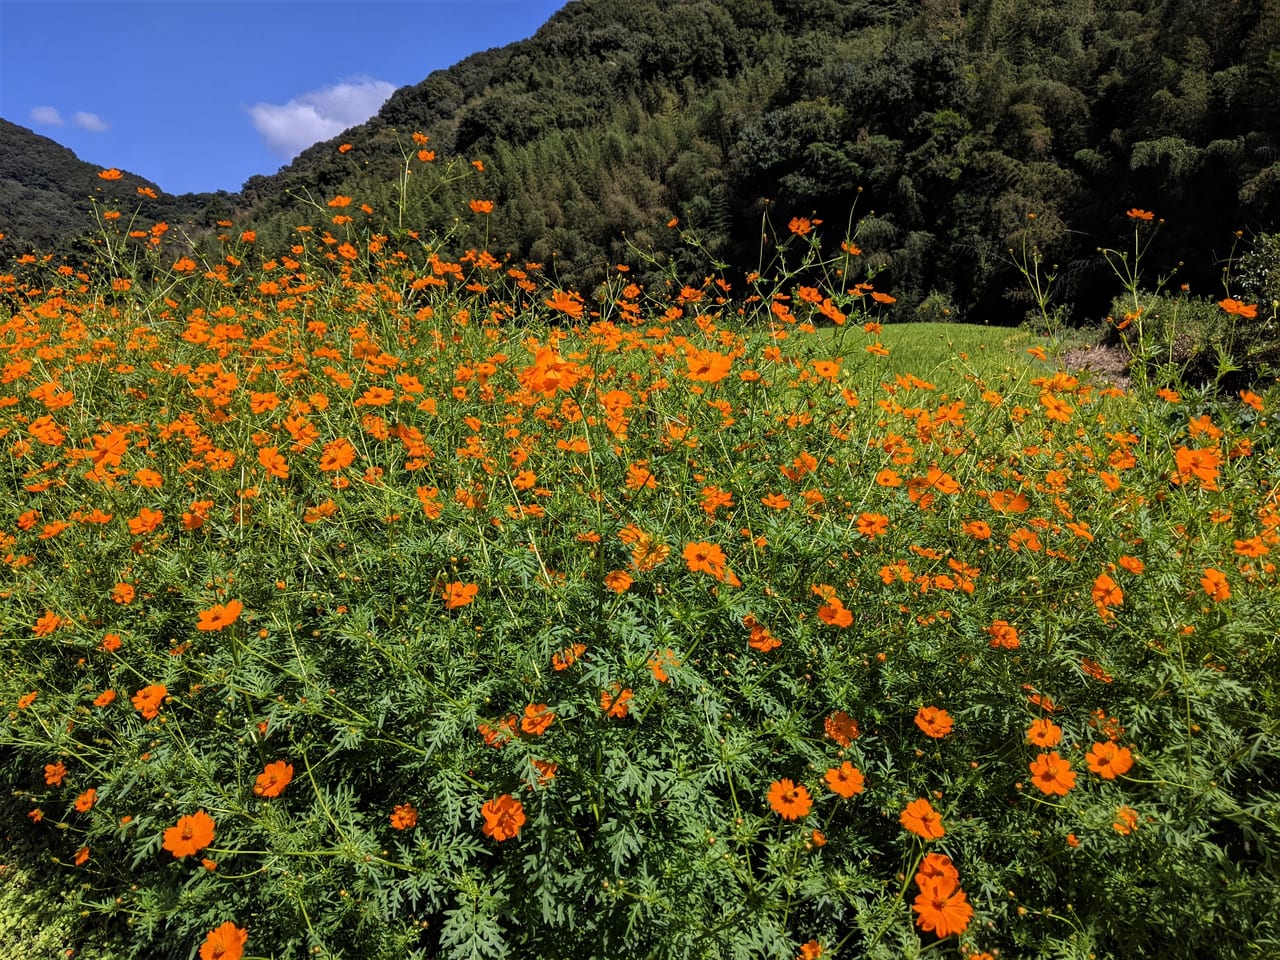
{"points": [[368, 600]]}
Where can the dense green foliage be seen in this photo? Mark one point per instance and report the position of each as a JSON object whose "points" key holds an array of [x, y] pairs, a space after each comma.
{"points": [[955, 120]]}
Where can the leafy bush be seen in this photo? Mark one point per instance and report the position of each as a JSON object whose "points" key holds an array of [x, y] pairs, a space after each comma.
{"points": [[1174, 337], [1196, 340], [1259, 269]]}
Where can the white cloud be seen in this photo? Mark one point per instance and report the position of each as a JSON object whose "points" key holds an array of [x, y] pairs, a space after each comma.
{"points": [[46, 116], [88, 121], [290, 128]]}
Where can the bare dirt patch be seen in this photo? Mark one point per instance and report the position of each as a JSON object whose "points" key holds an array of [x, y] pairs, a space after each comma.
{"points": [[1107, 363]]}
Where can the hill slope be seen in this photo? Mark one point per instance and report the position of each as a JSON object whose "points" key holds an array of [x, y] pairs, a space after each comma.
{"points": [[47, 195]]}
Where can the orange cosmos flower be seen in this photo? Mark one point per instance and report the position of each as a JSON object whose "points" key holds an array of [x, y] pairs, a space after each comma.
{"points": [[47, 624], [147, 701], [872, 524], [1044, 733], [404, 816], [459, 594], [503, 817], [1215, 585], [619, 581], [1039, 699], [1094, 669], [659, 663], [1135, 214], [273, 779], [789, 800], [146, 521], [841, 728], [1109, 761], [220, 615], [86, 800], [337, 454], [566, 658], [933, 722], [1009, 501], [1004, 635], [1200, 464], [1126, 820], [846, 780], [616, 701], [53, 773], [224, 943], [1132, 564], [567, 303], [937, 866], [835, 614], [82, 856], [110, 174], [707, 366], [1055, 408], [640, 477], [482, 206], [105, 698], [813, 949], [829, 369], [705, 558], [1052, 774], [550, 372], [1106, 593], [941, 906], [189, 835], [762, 637], [537, 719], [1247, 310], [273, 460], [1253, 547], [921, 819]]}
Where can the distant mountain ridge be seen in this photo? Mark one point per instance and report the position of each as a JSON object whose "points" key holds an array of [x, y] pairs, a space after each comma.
{"points": [[952, 120]]}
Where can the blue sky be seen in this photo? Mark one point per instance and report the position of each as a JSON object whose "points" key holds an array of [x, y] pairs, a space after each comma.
{"points": [[202, 94]]}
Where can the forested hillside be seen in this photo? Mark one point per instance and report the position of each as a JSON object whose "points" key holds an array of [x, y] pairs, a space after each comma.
{"points": [[47, 197], [937, 126]]}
